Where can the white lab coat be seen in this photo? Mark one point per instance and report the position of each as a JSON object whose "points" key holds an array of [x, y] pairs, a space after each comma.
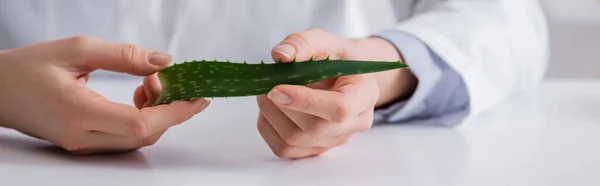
{"points": [[497, 46]]}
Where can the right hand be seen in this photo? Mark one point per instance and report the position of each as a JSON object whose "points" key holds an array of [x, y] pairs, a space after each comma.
{"points": [[43, 94]]}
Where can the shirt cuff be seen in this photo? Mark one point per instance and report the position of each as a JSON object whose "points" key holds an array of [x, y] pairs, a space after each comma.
{"points": [[441, 97]]}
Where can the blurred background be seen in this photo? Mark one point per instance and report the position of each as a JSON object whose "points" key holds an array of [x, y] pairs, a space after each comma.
{"points": [[574, 37]]}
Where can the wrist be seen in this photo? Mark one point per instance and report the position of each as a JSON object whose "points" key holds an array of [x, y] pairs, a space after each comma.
{"points": [[3, 123], [393, 85], [3, 60]]}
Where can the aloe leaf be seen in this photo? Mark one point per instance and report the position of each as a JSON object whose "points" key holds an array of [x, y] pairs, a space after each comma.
{"points": [[211, 79]]}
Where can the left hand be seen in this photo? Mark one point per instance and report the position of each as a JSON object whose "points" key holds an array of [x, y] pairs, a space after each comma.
{"points": [[302, 121]]}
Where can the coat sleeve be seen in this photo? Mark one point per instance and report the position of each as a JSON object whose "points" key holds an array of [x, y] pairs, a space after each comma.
{"points": [[496, 47], [440, 97]]}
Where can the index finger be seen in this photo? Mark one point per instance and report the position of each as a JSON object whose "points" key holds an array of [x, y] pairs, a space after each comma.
{"points": [[89, 54], [349, 96]]}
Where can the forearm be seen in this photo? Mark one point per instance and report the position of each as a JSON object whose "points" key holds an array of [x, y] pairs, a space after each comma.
{"points": [[3, 62], [394, 85]]}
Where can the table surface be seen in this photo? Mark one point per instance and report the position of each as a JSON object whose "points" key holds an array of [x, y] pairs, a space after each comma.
{"points": [[547, 136]]}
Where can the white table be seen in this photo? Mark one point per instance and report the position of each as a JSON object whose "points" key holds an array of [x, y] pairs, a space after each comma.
{"points": [[546, 137]]}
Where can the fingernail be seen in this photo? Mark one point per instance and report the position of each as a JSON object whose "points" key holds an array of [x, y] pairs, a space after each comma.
{"points": [[286, 50], [279, 97], [201, 106], [159, 58]]}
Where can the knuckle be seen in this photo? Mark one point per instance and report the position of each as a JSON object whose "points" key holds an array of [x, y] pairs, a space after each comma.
{"points": [[261, 101], [303, 36], [314, 31], [78, 44], [307, 34], [306, 104], [344, 141], [321, 151], [284, 152], [342, 111], [319, 128], [308, 101], [128, 52], [260, 124], [293, 138], [298, 35], [78, 41], [149, 141], [364, 125], [73, 128], [138, 127]]}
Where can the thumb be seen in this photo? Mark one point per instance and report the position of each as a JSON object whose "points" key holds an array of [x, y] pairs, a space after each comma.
{"points": [[89, 54], [314, 43]]}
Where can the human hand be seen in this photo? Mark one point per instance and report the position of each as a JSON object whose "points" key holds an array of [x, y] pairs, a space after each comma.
{"points": [[302, 121], [44, 96]]}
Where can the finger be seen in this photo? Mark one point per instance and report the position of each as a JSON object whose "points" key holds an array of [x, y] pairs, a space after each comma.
{"points": [[119, 119], [101, 143], [161, 117], [152, 88], [317, 128], [89, 54], [279, 147], [314, 43], [348, 97], [321, 103], [287, 130], [285, 122], [115, 118], [363, 122], [139, 97], [96, 113], [152, 139]]}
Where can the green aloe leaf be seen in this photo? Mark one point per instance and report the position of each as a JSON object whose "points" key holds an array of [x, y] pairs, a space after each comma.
{"points": [[210, 79]]}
